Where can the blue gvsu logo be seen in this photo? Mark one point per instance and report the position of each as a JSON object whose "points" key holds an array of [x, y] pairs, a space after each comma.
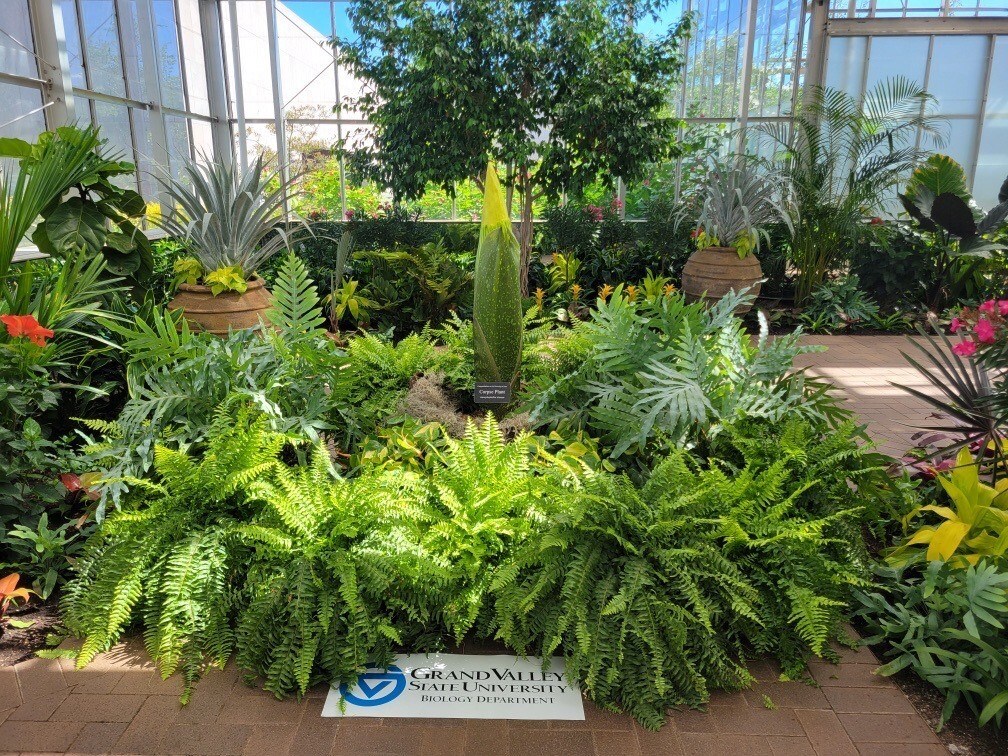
{"points": [[376, 686]]}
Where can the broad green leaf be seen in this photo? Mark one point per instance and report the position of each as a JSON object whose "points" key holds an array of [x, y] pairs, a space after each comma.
{"points": [[14, 148], [76, 225]]}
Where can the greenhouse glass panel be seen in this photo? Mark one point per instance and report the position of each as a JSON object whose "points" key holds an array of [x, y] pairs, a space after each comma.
{"points": [[17, 49], [102, 53]]}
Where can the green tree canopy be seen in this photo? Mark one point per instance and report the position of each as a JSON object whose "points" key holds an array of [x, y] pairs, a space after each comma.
{"points": [[564, 93]]}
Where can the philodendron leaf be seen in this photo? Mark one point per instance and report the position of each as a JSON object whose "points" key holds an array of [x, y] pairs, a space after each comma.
{"points": [[993, 220], [76, 225], [14, 148], [940, 174], [498, 324], [954, 215]]}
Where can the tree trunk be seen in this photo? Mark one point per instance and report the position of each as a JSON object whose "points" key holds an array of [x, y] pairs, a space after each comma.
{"points": [[525, 235]]}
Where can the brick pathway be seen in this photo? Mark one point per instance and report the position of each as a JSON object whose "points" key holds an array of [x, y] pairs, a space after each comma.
{"points": [[120, 705], [862, 367]]}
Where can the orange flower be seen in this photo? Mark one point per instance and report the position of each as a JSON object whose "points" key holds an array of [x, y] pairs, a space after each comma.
{"points": [[604, 291], [669, 289], [25, 326], [631, 293]]}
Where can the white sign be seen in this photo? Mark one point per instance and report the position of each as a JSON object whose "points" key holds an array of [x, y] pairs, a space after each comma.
{"points": [[460, 686]]}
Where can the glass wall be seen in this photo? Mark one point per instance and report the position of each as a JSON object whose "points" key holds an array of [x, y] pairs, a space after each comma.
{"points": [[135, 68], [958, 51], [20, 79], [164, 78]]}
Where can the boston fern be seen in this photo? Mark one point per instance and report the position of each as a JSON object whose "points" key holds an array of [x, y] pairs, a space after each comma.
{"points": [[165, 558], [666, 373], [655, 594]]}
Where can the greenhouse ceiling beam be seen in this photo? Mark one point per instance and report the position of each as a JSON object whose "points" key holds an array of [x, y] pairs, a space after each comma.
{"points": [[815, 62], [22, 81], [239, 93], [213, 54], [891, 27], [54, 61], [278, 115]]}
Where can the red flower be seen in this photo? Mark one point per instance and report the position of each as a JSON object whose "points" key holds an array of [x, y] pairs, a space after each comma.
{"points": [[984, 331], [1003, 306], [987, 306], [25, 326], [955, 325], [965, 348], [876, 221]]}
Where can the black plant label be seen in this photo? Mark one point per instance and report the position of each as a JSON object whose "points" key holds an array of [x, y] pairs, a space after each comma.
{"points": [[492, 393]]}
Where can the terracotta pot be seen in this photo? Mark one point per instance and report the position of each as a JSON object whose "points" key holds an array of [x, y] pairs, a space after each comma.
{"points": [[718, 270], [229, 310]]}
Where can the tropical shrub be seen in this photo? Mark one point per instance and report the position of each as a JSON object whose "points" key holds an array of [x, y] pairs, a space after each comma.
{"points": [[838, 303], [422, 284], [94, 215], [300, 378], [939, 204], [969, 412], [737, 205], [659, 374], [947, 625], [841, 157], [229, 219]]}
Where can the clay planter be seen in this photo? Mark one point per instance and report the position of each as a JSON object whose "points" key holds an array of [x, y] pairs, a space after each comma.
{"points": [[718, 270], [229, 310]]}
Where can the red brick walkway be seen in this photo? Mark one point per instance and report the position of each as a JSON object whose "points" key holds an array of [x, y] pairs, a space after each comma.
{"points": [[120, 705]]}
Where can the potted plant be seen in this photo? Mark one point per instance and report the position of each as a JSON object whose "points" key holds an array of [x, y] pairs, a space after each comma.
{"points": [[230, 221], [737, 205]]}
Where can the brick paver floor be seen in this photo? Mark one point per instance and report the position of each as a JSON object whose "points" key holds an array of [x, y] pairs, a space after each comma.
{"points": [[120, 705]]}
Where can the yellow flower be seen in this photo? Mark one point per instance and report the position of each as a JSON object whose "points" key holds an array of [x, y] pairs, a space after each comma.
{"points": [[605, 291], [631, 293], [670, 289], [575, 292], [540, 296]]}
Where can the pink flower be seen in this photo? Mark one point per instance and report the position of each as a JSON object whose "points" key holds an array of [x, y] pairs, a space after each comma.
{"points": [[1003, 306], [987, 306], [965, 348], [594, 212], [984, 331], [955, 325]]}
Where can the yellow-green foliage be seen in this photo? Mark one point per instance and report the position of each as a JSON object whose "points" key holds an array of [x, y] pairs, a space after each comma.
{"points": [[497, 307], [974, 527]]}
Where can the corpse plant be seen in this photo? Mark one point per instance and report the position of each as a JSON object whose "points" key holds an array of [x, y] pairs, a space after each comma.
{"points": [[497, 306]]}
